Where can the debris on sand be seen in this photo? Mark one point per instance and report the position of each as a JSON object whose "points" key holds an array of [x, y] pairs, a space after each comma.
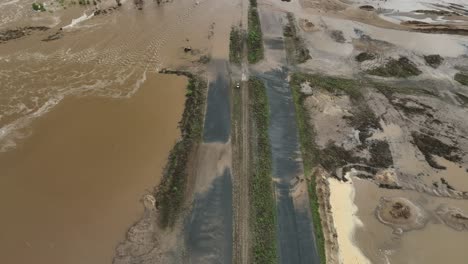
{"points": [[433, 60], [306, 89], [57, 35], [306, 25], [367, 7], [295, 46], [461, 78], [11, 34], [387, 178], [401, 68], [401, 214], [139, 4], [365, 56], [453, 217], [187, 49]]}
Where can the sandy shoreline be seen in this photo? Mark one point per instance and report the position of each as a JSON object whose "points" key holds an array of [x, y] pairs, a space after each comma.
{"points": [[345, 221]]}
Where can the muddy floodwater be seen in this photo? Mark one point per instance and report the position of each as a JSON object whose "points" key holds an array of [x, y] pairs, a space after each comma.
{"points": [[86, 123], [69, 191]]}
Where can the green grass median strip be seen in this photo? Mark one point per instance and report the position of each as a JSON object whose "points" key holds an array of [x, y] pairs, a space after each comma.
{"points": [[235, 45], [261, 185], [171, 191], [254, 35]]}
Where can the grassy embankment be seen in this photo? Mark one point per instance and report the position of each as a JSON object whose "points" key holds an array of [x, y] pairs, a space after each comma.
{"points": [[254, 35], [170, 194], [263, 203]]}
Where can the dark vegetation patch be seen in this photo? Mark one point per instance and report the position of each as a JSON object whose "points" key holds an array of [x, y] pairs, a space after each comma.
{"points": [[367, 7], [310, 158], [436, 28], [389, 186], [432, 146], [414, 23], [333, 157], [170, 194], [204, 59], [401, 68], [364, 120], [463, 98], [461, 78], [38, 7], [445, 182], [381, 155], [261, 184], [11, 34], [99, 12], [437, 12], [390, 90], [364, 56], [295, 47], [334, 85], [433, 60], [254, 35], [235, 45], [337, 35], [410, 106]]}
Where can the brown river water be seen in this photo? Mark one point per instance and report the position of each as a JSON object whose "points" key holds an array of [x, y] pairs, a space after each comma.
{"points": [[86, 123]]}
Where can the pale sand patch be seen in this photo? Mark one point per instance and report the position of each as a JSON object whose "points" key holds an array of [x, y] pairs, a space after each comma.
{"points": [[345, 220]]}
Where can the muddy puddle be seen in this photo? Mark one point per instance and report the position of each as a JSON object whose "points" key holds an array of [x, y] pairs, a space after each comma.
{"points": [[70, 190]]}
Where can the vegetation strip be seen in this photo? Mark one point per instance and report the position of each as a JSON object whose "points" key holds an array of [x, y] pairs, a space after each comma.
{"points": [[171, 191], [235, 45], [261, 184], [254, 36], [310, 159]]}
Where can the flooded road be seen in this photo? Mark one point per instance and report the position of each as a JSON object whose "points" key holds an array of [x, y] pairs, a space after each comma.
{"points": [[296, 241], [209, 226], [70, 190]]}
